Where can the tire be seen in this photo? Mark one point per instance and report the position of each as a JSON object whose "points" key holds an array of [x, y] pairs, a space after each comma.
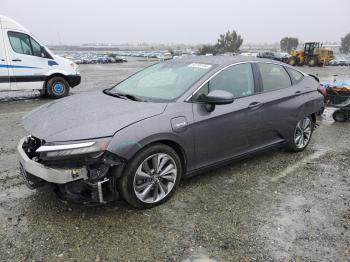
{"points": [[313, 61], [57, 87], [301, 63], [150, 188], [303, 128], [340, 115], [293, 61]]}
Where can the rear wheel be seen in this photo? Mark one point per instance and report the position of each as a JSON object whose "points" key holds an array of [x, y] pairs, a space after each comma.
{"points": [[57, 87], [302, 135], [151, 177], [340, 115]]}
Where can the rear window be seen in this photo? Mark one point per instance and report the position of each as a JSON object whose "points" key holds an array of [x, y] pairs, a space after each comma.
{"points": [[274, 76], [296, 75]]}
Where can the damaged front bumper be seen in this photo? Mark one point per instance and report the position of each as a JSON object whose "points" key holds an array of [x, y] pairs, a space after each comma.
{"points": [[94, 184], [29, 168]]}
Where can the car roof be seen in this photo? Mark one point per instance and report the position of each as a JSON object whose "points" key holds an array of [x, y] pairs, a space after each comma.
{"points": [[221, 60]]}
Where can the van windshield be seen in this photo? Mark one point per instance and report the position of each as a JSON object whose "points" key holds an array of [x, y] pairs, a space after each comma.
{"points": [[162, 82]]}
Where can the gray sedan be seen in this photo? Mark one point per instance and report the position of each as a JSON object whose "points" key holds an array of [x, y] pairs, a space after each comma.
{"points": [[172, 120]]}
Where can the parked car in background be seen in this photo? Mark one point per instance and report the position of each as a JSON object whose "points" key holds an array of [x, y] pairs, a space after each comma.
{"points": [[171, 120], [27, 64], [339, 62], [273, 55], [120, 59]]}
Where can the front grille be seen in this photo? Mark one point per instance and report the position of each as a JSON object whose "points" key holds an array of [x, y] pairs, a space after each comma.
{"points": [[30, 145]]}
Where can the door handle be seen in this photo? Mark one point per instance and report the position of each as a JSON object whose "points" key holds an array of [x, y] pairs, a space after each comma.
{"points": [[255, 105], [2, 59], [298, 93], [16, 60]]}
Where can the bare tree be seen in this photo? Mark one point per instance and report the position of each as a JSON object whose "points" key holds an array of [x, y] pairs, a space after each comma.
{"points": [[345, 44]]}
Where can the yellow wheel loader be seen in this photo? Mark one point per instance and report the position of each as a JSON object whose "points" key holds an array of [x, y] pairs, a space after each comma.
{"points": [[313, 54]]}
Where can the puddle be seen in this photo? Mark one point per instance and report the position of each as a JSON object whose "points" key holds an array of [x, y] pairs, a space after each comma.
{"points": [[199, 255]]}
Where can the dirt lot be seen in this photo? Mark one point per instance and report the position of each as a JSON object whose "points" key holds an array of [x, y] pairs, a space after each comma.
{"points": [[275, 206]]}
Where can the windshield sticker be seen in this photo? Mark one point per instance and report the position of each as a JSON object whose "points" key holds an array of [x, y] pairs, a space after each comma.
{"points": [[203, 66]]}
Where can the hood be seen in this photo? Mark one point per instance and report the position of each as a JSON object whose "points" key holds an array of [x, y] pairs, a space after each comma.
{"points": [[86, 116], [61, 59]]}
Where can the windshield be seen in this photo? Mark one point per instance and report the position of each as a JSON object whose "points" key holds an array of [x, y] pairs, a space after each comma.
{"points": [[163, 81]]}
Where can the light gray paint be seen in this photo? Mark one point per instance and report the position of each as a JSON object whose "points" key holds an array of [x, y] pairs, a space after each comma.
{"points": [[86, 116]]}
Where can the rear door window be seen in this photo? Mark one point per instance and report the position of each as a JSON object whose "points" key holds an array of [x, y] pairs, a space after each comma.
{"points": [[274, 76], [296, 75]]}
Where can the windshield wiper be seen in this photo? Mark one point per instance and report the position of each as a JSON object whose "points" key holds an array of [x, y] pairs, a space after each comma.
{"points": [[132, 97], [123, 96]]}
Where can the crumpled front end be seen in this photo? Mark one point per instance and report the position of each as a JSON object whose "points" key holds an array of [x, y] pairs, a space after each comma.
{"points": [[80, 172]]}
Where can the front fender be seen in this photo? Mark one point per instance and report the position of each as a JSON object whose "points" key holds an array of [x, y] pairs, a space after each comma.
{"points": [[130, 140], [56, 71]]}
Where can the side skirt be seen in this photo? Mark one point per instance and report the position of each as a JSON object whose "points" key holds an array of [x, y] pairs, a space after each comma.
{"points": [[234, 159]]}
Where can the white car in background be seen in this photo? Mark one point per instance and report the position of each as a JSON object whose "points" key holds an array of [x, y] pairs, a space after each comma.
{"points": [[26, 64]]}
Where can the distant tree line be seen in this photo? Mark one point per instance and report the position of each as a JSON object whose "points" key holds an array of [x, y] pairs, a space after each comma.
{"points": [[229, 42]]}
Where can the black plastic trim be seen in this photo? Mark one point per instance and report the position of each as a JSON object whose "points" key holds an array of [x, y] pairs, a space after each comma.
{"points": [[73, 80]]}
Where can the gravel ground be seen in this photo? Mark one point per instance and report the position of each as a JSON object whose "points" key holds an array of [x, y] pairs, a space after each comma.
{"points": [[275, 206]]}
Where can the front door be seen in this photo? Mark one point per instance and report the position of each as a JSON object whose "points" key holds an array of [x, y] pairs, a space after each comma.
{"points": [[225, 132], [4, 69], [27, 61]]}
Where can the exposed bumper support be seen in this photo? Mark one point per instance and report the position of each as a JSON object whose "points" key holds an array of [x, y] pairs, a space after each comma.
{"points": [[52, 175]]}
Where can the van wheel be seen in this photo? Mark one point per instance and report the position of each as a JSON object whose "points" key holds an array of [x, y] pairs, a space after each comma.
{"points": [[151, 177], [57, 87], [301, 136]]}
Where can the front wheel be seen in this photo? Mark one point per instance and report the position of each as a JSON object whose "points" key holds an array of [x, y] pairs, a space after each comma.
{"points": [[57, 87], [302, 135], [293, 61], [151, 177]]}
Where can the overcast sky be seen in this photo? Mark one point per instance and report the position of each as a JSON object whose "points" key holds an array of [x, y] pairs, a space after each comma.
{"points": [[179, 21]]}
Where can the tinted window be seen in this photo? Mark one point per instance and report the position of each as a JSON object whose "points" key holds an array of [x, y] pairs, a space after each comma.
{"points": [[24, 44], [274, 76], [36, 48], [20, 43], [297, 76], [237, 80]]}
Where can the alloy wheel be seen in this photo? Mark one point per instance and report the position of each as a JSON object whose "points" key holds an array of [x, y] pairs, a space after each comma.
{"points": [[155, 178], [303, 132]]}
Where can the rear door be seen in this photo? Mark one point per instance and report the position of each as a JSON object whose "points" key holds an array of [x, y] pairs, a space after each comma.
{"points": [[4, 70], [283, 102], [28, 65]]}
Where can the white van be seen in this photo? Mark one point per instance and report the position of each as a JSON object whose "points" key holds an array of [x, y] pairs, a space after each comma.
{"points": [[26, 64]]}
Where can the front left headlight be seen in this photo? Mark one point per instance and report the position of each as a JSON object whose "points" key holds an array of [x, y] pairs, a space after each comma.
{"points": [[74, 66], [93, 148]]}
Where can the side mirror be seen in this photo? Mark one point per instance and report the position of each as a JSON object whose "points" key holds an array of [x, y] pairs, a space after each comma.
{"points": [[217, 97]]}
